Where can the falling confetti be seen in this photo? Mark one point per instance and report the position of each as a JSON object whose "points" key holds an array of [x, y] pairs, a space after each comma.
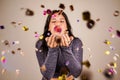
{"points": [[107, 52], [107, 42], [13, 52], [25, 28], [86, 15], [86, 63], [99, 70], [90, 24], [109, 73], [98, 19], [118, 33], [110, 29], [112, 64], [62, 6], [48, 11], [42, 6], [29, 12], [71, 8], [116, 13], [2, 27], [36, 35], [41, 37], [3, 59], [15, 42], [6, 42]]}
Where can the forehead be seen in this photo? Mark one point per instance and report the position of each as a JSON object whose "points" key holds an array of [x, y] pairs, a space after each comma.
{"points": [[57, 16]]}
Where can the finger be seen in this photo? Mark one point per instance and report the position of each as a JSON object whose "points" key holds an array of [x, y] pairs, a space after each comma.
{"points": [[49, 40], [67, 37], [52, 41], [65, 40], [62, 41], [46, 39]]}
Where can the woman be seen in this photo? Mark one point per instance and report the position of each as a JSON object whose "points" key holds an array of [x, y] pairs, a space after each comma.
{"points": [[59, 52]]}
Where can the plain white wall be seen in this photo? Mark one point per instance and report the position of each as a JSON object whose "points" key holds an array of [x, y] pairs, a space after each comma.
{"points": [[93, 39]]}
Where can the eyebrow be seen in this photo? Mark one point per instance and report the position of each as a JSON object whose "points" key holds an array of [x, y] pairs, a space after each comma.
{"points": [[55, 19]]}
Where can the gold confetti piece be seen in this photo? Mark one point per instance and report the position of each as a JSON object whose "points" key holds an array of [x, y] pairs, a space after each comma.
{"points": [[107, 42], [107, 52], [112, 64], [41, 37], [99, 70], [25, 28]]}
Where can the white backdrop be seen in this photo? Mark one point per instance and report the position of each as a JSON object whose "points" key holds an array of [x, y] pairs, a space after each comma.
{"points": [[22, 64]]}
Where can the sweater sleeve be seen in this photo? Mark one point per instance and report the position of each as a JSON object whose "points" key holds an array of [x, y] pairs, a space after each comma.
{"points": [[73, 56], [48, 59]]}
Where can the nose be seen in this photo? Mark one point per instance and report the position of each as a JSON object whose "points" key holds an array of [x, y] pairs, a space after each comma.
{"points": [[57, 23]]}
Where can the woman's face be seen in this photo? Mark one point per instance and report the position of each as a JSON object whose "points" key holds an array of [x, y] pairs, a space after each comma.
{"points": [[57, 24]]}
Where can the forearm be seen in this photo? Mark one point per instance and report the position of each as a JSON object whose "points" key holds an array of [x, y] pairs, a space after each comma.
{"points": [[49, 62]]}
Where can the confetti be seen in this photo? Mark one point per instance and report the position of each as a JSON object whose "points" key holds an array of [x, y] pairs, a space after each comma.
{"points": [[71, 8], [3, 59], [107, 52], [48, 11], [42, 6], [18, 49], [29, 12], [41, 37], [62, 6], [86, 63], [13, 52], [110, 29], [36, 35], [22, 53], [115, 58], [90, 24], [113, 35], [25, 28], [6, 42], [2, 27], [116, 13], [99, 70], [86, 15], [109, 73], [15, 42], [98, 19], [54, 15], [107, 42], [112, 64], [118, 33]]}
